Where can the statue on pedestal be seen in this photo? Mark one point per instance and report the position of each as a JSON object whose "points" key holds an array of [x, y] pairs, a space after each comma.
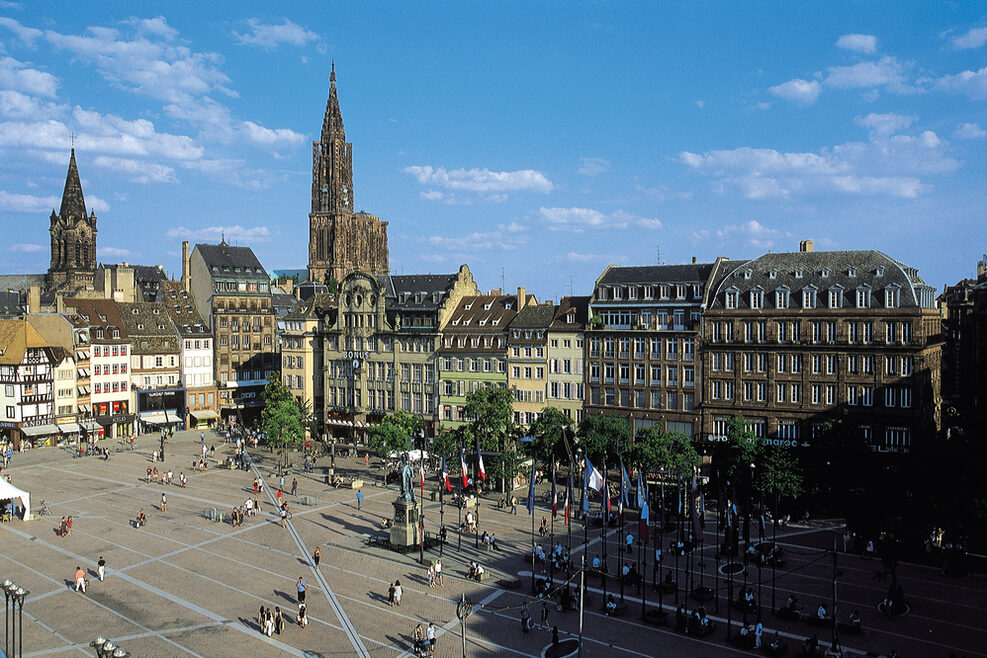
{"points": [[407, 479]]}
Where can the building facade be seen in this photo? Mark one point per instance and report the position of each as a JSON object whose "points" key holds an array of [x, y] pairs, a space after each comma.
{"points": [[71, 379], [566, 383], [232, 293], [303, 351], [527, 358], [340, 241], [642, 345], [792, 340], [27, 400], [964, 360], [195, 357], [155, 365]]}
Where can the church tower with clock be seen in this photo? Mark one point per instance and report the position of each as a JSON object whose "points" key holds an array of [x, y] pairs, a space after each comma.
{"points": [[340, 241]]}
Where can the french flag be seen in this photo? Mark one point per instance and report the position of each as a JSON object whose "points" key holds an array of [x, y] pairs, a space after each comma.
{"points": [[480, 468], [445, 476], [462, 467], [568, 495]]}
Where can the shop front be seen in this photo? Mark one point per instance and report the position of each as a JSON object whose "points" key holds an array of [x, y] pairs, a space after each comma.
{"points": [[39, 435], [161, 410], [71, 432], [204, 418], [115, 418]]}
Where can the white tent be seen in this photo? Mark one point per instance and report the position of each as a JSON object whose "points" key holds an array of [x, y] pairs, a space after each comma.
{"points": [[9, 491]]}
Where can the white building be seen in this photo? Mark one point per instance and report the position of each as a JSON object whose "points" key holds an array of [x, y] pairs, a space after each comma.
{"points": [[26, 386]]}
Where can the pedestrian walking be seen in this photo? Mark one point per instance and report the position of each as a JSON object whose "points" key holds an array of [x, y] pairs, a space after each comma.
{"points": [[398, 591], [302, 616], [202, 437], [284, 518], [390, 594], [281, 483], [317, 557], [430, 635], [294, 487], [438, 572], [62, 527], [544, 614], [366, 459], [514, 504], [279, 495], [430, 575], [154, 456], [301, 587], [182, 480], [68, 526], [101, 568], [278, 620], [164, 502], [359, 499], [80, 580]]}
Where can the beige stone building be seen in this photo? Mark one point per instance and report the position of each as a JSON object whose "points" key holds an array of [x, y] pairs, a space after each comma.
{"points": [[566, 384]]}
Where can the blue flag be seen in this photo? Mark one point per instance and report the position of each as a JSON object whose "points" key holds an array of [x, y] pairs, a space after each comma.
{"points": [[625, 485], [531, 489]]}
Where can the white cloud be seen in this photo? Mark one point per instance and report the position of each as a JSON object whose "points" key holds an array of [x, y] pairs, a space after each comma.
{"points": [[271, 36], [802, 92], [26, 248], [886, 72], [971, 83], [886, 165], [974, 38], [433, 195], [593, 166], [700, 104], [481, 180], [28, 35], [15, 105], [270, 137], [232, 233], [885, 124], [27, 203], [579, 219], [661, 192], [752, 233], [21, 77], [136, 170], [113, 252], [969, 131], [508, 238], [861, 43]]}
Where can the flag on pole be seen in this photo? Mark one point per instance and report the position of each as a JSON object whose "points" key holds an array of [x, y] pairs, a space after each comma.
{"points": [[606, 498], [555, 494], [421, 467], [625, 486], [584, 504], [531, 489], [479, 467], [642, 498], [462, 466], [702, 507], [593, 478], [445, 475], [568, 496]]}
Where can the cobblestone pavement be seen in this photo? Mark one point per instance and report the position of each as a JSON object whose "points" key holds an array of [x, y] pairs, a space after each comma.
{"points": [[185, 585]]}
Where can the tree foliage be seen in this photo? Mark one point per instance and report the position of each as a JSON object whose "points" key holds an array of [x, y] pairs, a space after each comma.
{"points": [[602, 437], [655, 450], [548, 436], [492, 411], [396, 432], [282, 417]]}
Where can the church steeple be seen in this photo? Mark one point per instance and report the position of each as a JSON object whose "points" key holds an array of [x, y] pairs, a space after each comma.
{"points": [[332, 160], [332, 122], [73, 202]]}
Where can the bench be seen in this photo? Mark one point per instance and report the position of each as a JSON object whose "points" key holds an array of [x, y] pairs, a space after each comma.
{"points": [[307, 500], [383, 541], [356, 484]]}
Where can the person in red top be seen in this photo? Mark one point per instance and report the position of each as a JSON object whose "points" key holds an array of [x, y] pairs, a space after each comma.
{"points": [[80, 580]]}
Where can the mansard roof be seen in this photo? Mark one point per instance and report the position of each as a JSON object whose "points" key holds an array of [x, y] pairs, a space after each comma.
{"points": [[483, 314], [656, 274], [181, 308], [534, 316], [149, 326], [312, 308], [821, 270], [100, 314], [577, 305], [415, 291], [232, 262]]}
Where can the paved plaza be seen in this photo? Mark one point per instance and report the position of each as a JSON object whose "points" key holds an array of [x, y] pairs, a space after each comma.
{"points": [[186, 585]]}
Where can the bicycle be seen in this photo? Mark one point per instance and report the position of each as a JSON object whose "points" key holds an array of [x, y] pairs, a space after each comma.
{"points": [[44, 509]]}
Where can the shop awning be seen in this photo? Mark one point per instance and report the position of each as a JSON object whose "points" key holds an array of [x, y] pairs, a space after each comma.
{"points": [[83, 390], [91, 425], [206, 414], [40, 430], [70, 428], [154, 417], [82, 373]]}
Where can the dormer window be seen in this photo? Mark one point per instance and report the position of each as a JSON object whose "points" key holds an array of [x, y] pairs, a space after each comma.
{"points": [[116, 333], [892, 296], [570, 318], [852, 272], [680, 291], [748, 274], [509, 305], [757, 298], [617, 293], [468, 306], [836, 297], [601, 293], [517, 333], [824, 273], [730, 299], [140, 325], [664, 291], [486, 307], [879, 271], [649, 292], [697, 290], [863, 297], [798, 272], [773, 274], [781, 298], [809, 298], [632, 292]]}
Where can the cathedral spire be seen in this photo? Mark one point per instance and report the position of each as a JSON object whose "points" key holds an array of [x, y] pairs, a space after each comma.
{"points": [[332, 122], [73, 203]]}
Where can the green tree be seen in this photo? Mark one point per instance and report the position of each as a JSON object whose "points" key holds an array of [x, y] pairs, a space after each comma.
{"points": [[778, 473], [447, 443], [601, 437], [395, 433], [281, 418], [548, 437], [672, 452], [492, 411]]}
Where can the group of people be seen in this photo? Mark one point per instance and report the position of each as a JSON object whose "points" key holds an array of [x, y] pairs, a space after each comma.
{"points": [[65, 526], [489, 539], [434, 573], [424, 639], [272, 622], [475, 571]]}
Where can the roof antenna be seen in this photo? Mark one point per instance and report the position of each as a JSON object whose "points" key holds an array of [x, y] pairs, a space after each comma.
{"points": [[503, 284], [658, 253]]}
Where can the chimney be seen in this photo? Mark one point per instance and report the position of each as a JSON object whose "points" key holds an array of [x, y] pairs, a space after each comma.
{"points": [[522, 297], [982, 268], [693, 260], [185, 267], [805, 246], [34, 298]]}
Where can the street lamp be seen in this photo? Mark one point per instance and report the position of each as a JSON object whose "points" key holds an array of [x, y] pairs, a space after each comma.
{"points": [[13, 591], [106, 649]]}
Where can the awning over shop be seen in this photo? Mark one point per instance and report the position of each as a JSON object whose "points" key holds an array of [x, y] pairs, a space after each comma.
{"points": [[83, 390], [82, 373], [206, 414], [106, 421], [155, 417], [70, 428], [91, 425], [40, 430]]}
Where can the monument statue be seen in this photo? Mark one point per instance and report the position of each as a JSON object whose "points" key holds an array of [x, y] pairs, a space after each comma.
{"points": [[407, 479]]}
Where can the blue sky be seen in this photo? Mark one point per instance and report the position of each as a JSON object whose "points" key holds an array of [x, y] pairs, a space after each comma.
{"points": [[537, 142]]}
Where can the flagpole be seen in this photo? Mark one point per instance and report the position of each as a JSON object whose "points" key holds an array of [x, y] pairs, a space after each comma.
{"points": [[476, 507], [531, 513], [442, 507], [551, 534], [568, 525], [605, 516], [661, 541]]}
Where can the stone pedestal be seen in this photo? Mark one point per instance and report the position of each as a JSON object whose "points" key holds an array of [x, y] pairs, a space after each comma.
{"points": [[404, 530]]}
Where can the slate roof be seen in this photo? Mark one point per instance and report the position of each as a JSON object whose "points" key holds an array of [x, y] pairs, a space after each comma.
{"points": [[229, 258], [402, 290], [652, 274], [534, 316], [483, 314], [578, 304], [10, 304], [181, 309], [306, 310], [21, 282], [150, 327], [822, 270], [282, 303], [100, 314]]}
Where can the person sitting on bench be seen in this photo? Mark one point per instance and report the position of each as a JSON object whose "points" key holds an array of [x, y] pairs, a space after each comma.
{"points": [[611, 608]]}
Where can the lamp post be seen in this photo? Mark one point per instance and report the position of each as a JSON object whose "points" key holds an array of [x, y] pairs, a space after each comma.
{"points": [[19, 595], [13, 640], [464, 608], [106, 649], [8, 587]]}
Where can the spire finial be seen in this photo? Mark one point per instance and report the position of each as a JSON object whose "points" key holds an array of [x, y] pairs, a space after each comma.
{"points": [[332, 72], [72, 140]]}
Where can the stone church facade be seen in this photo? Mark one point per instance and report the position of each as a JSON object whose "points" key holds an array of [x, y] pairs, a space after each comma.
{"points": [[73, 237], [340, 241]]}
